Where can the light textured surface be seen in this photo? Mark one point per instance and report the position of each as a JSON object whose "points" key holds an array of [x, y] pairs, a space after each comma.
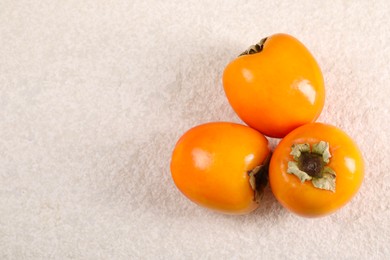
{"points": [[95, 93]]}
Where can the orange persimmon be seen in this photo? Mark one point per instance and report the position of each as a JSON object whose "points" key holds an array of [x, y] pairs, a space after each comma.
{"points": [[315, 170], [219, 166], [275, 86]]}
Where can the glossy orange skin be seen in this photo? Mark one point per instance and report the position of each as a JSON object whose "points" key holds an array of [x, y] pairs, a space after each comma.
{"points": [[210, 165], [277, 89], [303, 198]]}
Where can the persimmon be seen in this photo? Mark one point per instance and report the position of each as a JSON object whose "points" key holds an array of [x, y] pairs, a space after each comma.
{"points": [[275, 86], [315, 170], [221, 166]]}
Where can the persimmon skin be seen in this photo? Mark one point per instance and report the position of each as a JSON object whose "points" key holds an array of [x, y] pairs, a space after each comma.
{"points": [[303, 198], [276, 89], [210, 165]]}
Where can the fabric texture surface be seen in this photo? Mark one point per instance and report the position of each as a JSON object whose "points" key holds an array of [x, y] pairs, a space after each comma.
{"points": [[94, 95]]}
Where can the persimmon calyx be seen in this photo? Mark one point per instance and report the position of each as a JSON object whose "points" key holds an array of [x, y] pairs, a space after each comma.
{"points": [[258, 47], [258, 179], [310, 164]]}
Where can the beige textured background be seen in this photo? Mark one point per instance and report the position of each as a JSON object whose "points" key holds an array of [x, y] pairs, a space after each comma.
{"points": [[94, 95]]}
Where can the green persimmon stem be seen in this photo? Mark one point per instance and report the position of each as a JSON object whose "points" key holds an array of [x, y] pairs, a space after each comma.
{"points": [[310, 164]]}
